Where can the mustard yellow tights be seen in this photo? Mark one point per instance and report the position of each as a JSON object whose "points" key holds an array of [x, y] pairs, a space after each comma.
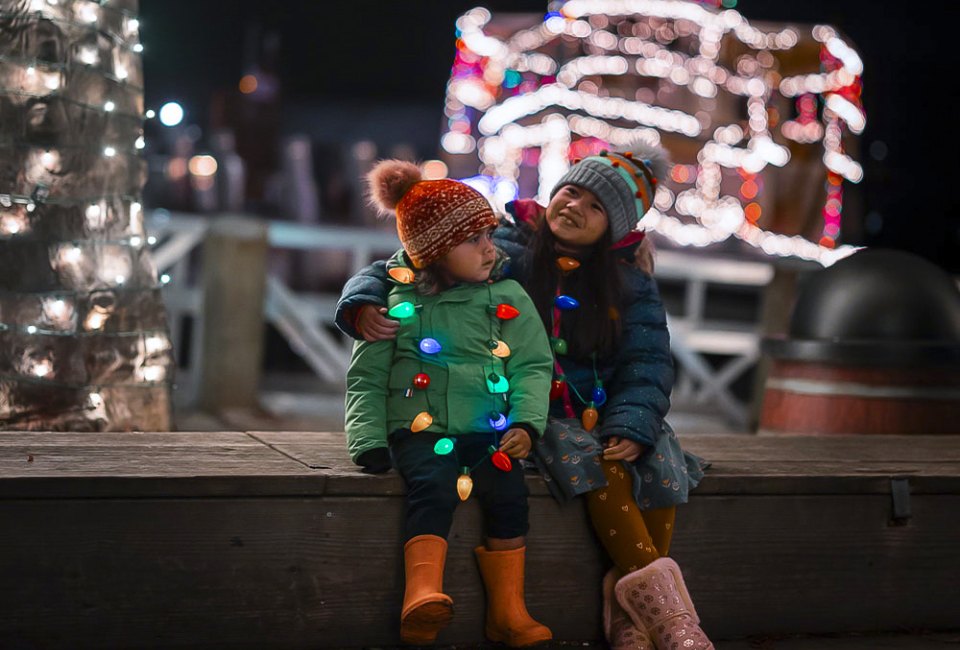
{"points": [[633, 538]]}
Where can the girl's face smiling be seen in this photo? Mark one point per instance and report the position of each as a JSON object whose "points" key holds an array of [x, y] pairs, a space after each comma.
{"points": [[470, 261], [576, 217]]}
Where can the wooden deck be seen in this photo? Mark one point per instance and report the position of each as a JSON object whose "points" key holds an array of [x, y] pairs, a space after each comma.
{"points": [[273, 539]]}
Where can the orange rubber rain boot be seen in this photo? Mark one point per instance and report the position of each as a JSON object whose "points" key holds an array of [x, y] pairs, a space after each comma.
{"points": [[507, 618], [426, 609]]}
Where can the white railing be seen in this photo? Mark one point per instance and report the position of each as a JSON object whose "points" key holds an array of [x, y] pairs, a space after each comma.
{"points": [[305, 319], [174, 237], [692, 337]]}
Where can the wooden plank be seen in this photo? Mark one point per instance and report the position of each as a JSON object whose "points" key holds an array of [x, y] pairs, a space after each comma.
{"points": [[852, 447], [148, 455], [751, 464], [210, 573], [318, 461], [820, 564], [126, 439], [744, 478], [320, 450], [70, 465], [327, 573], [328, 449]]}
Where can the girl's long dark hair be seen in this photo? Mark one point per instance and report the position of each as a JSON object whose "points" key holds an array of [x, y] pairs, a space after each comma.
{"points": [[596, 285]]}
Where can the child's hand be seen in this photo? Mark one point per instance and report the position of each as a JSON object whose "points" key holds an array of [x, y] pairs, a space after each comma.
{"points": [[617, 448], [373, 325], [516, 443]]}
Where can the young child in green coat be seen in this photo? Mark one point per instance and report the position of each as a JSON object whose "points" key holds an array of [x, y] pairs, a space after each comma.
{"points": [[461, 390]]}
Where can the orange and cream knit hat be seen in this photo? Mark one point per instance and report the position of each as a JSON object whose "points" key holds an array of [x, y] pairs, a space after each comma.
{"points": [[432, 216]]}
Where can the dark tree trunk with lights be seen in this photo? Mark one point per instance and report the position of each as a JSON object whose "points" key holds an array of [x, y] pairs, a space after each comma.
{"points": [[84, 344]]}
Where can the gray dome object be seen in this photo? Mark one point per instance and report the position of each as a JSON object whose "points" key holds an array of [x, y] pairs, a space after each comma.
{"points": [[877, 306]]}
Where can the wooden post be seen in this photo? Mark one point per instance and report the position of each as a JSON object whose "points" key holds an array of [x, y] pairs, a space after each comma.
{"points": [[234, 277]]}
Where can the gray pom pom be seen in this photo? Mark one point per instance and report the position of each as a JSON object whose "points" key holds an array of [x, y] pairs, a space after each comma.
{"points": [[655, 157]]}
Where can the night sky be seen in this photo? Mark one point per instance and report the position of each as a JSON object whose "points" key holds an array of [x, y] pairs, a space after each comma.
{"points": [[377, 51]]}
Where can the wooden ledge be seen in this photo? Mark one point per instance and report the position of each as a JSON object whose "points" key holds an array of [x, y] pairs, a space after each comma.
{"points": [[270, 463], [274, 539]]}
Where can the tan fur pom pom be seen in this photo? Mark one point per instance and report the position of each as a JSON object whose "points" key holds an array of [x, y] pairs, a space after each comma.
{"points": [[388, 181]]}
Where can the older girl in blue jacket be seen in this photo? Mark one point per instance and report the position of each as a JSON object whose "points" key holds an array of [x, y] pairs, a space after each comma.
{"points": [[613, 373]]}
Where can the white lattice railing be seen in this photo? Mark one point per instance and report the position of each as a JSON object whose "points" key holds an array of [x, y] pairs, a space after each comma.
{"points": [[305, 319]]}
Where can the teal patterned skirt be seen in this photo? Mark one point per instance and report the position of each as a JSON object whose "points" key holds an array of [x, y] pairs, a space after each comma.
{"points": [[569, 458]]}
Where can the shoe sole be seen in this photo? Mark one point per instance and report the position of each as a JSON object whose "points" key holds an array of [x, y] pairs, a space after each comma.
{"points": [[515, 642], [423, 623]]}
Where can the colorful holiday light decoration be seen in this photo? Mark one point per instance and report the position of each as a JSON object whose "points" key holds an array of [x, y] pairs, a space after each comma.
{"points": [[443, 447], [567, 264], [497, 385], [557, 387], [421, 422], [430, 345], [401, 274], [82, 321], [421, 380], [464, 484], [402, 310], [498, 421], [523, 100], [506, 312], [558, 344], [500, 460], [499, 349], [599, 394], [589, 417]]}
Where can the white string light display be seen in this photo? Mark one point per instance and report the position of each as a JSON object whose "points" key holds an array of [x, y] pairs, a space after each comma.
{"points": [[84, 344], [594, 74]]}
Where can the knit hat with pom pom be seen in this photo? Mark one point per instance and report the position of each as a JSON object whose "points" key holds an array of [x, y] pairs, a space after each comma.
{"points": [[624, 182], [433, 217]]}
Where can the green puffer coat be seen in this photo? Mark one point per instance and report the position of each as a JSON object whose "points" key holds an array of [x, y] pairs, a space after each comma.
{"points": [[380, 394]]}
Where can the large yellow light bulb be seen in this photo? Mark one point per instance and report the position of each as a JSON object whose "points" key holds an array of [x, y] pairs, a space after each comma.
{"points": [[421, 422], [464, 486]]}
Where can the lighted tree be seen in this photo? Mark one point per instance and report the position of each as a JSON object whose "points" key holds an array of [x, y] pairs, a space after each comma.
{"points": [[84, 344]]}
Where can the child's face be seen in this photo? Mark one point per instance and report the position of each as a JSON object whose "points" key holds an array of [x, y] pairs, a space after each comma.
{"points": [[576, 217], [470, 261]]}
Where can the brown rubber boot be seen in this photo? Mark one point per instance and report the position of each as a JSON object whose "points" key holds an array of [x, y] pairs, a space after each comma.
{"points": [[656, 598], [507, 618], [426, 609], [620, 631]]}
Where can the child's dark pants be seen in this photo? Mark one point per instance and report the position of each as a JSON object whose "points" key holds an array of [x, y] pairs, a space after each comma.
{"points": [[432, 484]]}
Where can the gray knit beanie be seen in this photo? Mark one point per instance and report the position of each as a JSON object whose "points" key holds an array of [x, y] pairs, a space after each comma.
{"points": [[624, 182]]}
